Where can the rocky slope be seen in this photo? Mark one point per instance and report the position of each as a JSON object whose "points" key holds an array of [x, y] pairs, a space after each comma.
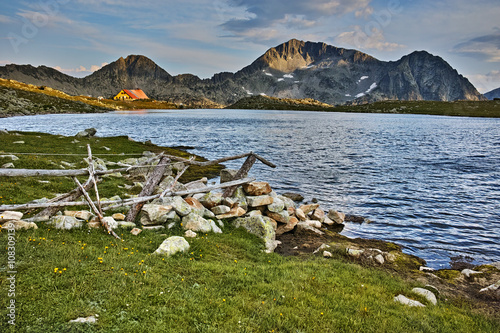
{"points": [[495, 93], [295, 69]]}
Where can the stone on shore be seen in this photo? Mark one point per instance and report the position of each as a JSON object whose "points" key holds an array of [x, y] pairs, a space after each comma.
{"points": [[221, 209], [281, 217], [196, 206], [294, 196], [309, 208], [277, 206], [80, 214], [318, 215], [305, 229], [195, 222], [178, 204], [172, 245], [260, 200], [118, 216], [257, 188], [283, 228], [211, 199], [233, 212], [227, 175], [337, 217], [260, 226], [87, 133]]}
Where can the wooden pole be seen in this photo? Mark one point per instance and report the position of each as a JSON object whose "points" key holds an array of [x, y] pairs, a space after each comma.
{"points": [[242, 172], [149, 187]]}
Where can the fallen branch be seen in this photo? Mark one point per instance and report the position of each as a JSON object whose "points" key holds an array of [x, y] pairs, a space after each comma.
{"points": [[94, 208], [179, 174], [242, 172]]}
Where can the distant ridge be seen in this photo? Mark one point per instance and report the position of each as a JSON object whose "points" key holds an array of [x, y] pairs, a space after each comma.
{"points": [[295, 69], [495, 93]]}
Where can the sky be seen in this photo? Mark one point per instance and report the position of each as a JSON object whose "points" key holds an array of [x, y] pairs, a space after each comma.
{"points": [[204, 37]]}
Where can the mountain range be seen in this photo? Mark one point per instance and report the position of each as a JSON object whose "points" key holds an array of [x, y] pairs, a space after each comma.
{"points": [[295, 69]]}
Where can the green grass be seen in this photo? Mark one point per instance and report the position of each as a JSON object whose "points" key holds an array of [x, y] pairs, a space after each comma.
{"points": [[224, 283]]}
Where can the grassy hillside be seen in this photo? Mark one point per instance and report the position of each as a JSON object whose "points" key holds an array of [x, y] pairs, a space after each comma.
{"points": [[458, 108], [224, 283]]}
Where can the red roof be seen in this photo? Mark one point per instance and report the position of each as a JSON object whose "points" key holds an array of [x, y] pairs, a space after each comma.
{"points": [[136, 94]]}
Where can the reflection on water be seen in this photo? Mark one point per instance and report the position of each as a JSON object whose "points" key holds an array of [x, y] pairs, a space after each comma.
{"points": [[429, 183]]}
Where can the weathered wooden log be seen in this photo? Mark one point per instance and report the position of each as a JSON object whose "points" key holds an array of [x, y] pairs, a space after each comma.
{"points": [[94, 208], [128, 202], [149, 187], [242, 172]]}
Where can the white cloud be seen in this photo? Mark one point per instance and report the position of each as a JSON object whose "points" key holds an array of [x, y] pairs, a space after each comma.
{"points": [[80, 70], [486, 48], [6, 19], [485, 82], [374, 39]]}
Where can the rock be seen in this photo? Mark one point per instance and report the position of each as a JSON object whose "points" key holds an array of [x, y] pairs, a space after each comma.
{"points": [[197, 184], [308, 208], [240, 198], [221, 209], [10, 215], [354, 218], [81, 214], [89, 132], [254, 213], [283, 228], [318, 215], [234, 212], [277, 206], [18, 225], [196, 206], [304, 228], [86, 320], [110, 222], [211, 199], [491, 288], [426, 269], [195, 222], [260, 226], [207, 214], [65, 222], [327, 254], [260, 200], [190, 234], [427, 294], [257, 188], [118, 216], [167, 183], [313, 223], [379, 259], [178, 204], [172, 245], [227, 175], [321, 248], [154, 214], [9, 165], [126, 224], [468, 272], [289, 204], [495, 264], [153, 227], [406, 301], [327, 221], [281, 217], [336, 217], [135, 231], [300, 214], [94, 224], [354, 252], [294, 196], [229, 202]]}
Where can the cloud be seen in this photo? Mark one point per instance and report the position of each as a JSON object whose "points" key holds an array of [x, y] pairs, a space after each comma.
{"points": [[269, 15], [485, 48], [6, 19], [485, 82], [374, 39], [81, 70]]}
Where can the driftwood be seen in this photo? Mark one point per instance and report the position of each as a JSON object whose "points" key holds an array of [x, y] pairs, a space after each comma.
{"points": [[243, 171], [127, 202], [94, 208], [149, 187]]}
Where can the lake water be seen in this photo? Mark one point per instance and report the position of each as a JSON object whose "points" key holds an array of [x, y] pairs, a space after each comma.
{"points": [[429, 183]]}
